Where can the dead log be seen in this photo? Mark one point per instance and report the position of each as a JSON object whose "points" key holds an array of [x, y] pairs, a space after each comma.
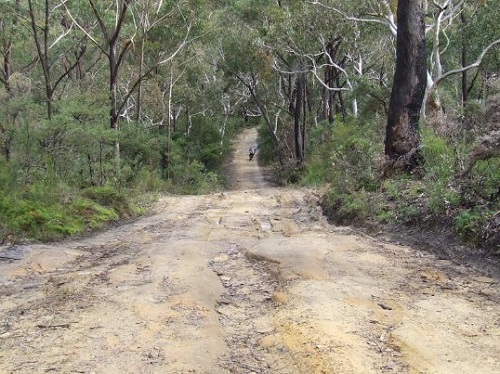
{"points": [[487, 146]]}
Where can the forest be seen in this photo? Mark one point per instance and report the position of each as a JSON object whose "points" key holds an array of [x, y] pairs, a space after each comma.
{"points": [[107, 103]]}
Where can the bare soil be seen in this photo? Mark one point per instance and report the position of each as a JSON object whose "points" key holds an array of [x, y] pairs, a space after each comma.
{"points": [[252, 280]]}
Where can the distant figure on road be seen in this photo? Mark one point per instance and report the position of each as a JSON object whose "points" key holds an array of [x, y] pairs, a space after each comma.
{"points": [[251, 153]]}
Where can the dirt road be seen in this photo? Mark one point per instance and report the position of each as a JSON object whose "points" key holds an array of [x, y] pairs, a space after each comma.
{"points": [[252, 280]]}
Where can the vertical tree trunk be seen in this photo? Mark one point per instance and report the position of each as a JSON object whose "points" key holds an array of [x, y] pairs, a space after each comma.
{"points": [[340, 104], [139, 86], [113, 89], [7, 65], [6, 40], [114, 114], [297, 114], [331, 78], [402, 138], [42, 48], [464, 60]]}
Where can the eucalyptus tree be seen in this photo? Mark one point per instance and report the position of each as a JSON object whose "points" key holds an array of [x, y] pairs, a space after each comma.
{"points": [[247, 65], [116, 26], [323, 65], [8, 23], [247, 62], [402, 139], [113, 26], [448, 27], [49, 30], [8, 29], [472, 48], [442, 20], [271, 55]]}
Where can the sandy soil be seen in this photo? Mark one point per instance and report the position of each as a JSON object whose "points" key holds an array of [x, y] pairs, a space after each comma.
{"points": [[252, 280]]}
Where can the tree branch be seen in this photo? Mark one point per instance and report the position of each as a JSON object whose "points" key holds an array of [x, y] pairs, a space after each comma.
{"points": [[387, 21], [465, 68], [87, 34]]}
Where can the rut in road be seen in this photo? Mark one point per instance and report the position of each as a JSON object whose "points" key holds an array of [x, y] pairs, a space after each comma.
{"points": [[252, 280]]}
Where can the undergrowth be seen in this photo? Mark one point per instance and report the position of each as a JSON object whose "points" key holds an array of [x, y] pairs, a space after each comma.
{"points": [[76, 185], [347, 157], [47, 211]]}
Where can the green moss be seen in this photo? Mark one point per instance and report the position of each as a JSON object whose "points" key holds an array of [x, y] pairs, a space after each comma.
{"points": [[93, 215]]}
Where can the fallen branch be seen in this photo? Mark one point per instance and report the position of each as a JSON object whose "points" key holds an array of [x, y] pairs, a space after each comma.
{"points": [[9, 258], [488, 146], [63, 325]]}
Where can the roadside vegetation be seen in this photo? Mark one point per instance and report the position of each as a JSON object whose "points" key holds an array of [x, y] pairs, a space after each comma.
{"points": [[434, 197], [62, 179], [346, 161], [104, 105]]}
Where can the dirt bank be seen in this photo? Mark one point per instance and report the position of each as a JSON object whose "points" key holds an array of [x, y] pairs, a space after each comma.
{"points": [[246, 281]]}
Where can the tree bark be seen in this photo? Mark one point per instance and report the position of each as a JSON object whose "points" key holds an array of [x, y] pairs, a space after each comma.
{"points": [[298, 119], [402, 138], [7, 65], [42, 49], [464, 61]]}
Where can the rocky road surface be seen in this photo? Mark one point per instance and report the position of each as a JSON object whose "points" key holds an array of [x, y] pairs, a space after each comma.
{"points": [[252, 280]]}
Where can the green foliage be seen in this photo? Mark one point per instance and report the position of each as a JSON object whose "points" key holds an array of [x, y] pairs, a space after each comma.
{"points": [[150, 181], [109, 197], [192, 178], [266, 154], [38, 211], [93, 215], [6, 177], [469, 223], [386, 217], [344, 155], [441, 165], [484, 181], [344, 208], [430, 198], [439, 156], [47, 211], [206, 143]]}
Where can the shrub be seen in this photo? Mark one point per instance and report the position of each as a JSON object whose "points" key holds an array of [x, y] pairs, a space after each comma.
{"points": [[349, 208], [470, 224], [49, 211], [111, 198], [93, 215], [344, 156], [37, 219]]}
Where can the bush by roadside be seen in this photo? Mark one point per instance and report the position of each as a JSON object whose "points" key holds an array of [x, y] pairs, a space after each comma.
{"points": [[346, 157]]}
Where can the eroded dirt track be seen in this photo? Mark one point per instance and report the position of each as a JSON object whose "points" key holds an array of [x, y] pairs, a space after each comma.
{"points": [[248, 281]]}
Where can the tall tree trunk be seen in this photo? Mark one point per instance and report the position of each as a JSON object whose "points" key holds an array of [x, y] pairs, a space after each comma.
{"points": [[298, 119], [7, 65], [464, 60], [114, 112], [139, 86], [113, 88], [402, 137], [42, 48], [331, 78], [340, 104], [6, 40]]}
